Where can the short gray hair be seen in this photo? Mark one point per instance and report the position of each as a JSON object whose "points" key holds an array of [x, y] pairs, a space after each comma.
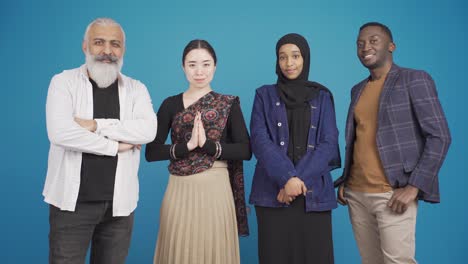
{"points": [[103, 21]]}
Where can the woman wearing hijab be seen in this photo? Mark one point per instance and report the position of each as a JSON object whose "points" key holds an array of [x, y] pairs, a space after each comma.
{"points": [[295, 140], [203, 209]]}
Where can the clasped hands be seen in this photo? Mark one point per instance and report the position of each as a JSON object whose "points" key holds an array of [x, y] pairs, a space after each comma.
{"points": [[293, 188], [198, 138], [91, 125]]}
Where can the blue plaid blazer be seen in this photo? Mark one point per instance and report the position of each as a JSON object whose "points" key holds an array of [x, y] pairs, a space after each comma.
{"points": [[412, 133]]}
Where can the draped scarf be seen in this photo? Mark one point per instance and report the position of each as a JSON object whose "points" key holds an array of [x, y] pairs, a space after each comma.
{"points": [[215, 109]]}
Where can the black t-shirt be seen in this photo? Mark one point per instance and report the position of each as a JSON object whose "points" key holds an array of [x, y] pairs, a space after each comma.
{"points": [[98, 172]]}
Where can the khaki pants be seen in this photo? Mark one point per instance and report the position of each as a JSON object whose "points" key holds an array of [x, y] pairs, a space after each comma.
{"points": [[382, 235]]}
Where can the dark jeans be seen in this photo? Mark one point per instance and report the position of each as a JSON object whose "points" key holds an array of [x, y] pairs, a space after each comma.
{"points": [[71, 233]]}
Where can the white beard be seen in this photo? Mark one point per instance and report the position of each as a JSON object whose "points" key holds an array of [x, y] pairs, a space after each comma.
{"points": [[104, 74]]}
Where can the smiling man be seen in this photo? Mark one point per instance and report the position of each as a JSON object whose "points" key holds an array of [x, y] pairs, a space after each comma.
{"points": [[396, 141], [97, 119]]}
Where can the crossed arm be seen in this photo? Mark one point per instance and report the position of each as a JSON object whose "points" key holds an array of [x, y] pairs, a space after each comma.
{"points": [[91, 125], [108, 137]]}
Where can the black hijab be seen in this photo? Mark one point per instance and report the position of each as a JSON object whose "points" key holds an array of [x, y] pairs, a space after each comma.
{"points": [[296, 95], [300, 90]]}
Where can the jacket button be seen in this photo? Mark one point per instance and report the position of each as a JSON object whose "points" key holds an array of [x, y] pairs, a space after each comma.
{"points": [[311, 146], [279, 124], [313, 127], [282, 143], [277, 103]]}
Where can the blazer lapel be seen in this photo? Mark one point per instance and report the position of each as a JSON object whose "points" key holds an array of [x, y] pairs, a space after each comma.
{"points": [[389, 84]]}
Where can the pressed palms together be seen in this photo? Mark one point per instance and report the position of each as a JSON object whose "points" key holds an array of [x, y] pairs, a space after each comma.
{"points": [[198, 138]]}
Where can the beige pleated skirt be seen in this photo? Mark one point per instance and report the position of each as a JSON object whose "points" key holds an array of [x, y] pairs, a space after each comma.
{"points": [[198, 220]]}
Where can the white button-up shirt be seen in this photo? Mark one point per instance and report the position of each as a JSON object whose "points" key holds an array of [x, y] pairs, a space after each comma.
{"points": [[71, 95]]}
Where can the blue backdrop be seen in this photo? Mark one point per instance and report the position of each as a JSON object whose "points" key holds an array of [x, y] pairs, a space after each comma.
{"points": [[42, 38]]}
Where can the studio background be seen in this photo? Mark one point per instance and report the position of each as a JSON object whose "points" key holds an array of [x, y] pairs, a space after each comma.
{"points": [[43, 38]]}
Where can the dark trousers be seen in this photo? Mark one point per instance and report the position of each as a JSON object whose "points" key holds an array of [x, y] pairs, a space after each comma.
{"points": [[72, 232], [289, 235]]}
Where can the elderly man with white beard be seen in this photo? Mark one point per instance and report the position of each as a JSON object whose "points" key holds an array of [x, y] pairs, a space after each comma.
{"points": [[97, 120]]}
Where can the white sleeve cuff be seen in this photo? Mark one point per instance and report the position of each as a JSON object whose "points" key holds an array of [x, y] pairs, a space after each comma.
{"points": [[102, 123]]}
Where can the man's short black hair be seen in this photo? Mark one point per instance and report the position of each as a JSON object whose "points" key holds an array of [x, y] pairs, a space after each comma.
{"points": [[380, 25]]}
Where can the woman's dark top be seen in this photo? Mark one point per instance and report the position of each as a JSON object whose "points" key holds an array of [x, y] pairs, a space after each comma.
{"points": [[234, 140]]}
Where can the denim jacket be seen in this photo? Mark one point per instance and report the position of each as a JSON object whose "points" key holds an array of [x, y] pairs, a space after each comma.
{"points": [[269, 140]]}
